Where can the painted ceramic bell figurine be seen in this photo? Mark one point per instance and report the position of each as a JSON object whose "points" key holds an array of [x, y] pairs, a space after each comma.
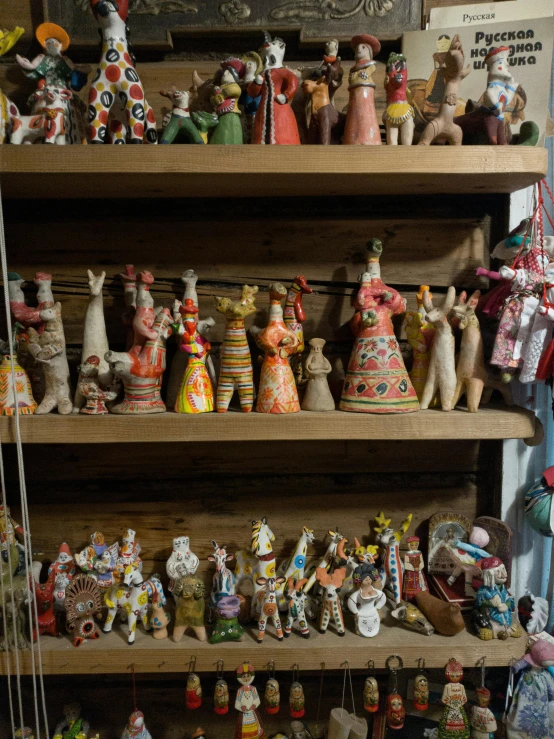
{"points": [[72, 724], [246, 703], [83, 601], [196, 394], [376, 379], [136, 728], [494, 613], [454, 723], [399, 114], [16, 398], [225, 99], [362, 126]]}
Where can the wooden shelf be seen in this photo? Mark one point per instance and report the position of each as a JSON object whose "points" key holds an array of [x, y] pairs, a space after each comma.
{"points": [[488, 423], [231, 171], [112, 654]]}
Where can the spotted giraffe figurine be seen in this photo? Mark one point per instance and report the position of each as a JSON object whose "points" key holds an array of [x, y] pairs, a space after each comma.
{"points": [[116, 88]]}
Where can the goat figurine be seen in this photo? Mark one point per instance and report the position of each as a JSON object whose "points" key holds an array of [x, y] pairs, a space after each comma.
{"points": [[441, 375], [331, 606], [298, 607]]}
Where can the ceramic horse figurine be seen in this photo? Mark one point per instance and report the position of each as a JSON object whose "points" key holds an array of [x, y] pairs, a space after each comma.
{"points": [[266, 598], [236, 362], [294, 316], [392, 568], [132, 597], [223, 582], [295, 564], [264, 556]]}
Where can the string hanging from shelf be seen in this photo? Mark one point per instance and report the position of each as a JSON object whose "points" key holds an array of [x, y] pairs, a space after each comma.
{"points": [[27, 544]]}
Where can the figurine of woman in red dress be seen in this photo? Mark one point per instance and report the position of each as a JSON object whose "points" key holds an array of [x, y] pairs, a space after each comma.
{"points": [[376, 379], [362, 126], [247, 701], [414, 577]]}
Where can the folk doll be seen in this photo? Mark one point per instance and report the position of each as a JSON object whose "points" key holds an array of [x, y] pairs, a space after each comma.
{"points": [[454, 723], [531, 714], [196, 394], [247, 701], [16, 398], [275, 122], [414, 577], [253, 66], [322, 117], [396, 713], [365, 603], [221, 697], [63, 569], [136, 728], [225, 100], [376, 379], [272, 696], [482, 720], [83, 601], [399, 114], [317, 395], [362, 126], [277, 391], [72, 726], [421, 693], [90, 389], [227, 626], [420, 333], [371, 695], [296, 700], [193, 692], [494, 613]]}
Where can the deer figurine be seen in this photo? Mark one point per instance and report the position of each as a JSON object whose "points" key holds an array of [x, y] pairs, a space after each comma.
{"points": [[391, 569], [267, 600], [442, 365], [331, 606], [298, 607]]}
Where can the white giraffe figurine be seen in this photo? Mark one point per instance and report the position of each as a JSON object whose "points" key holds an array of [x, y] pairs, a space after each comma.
{"points": [[262, 549], [392, 567], [441, 375], [295, 564]]}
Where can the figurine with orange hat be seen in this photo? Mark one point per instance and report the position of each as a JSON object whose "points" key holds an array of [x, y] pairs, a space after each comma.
{"points": [[362, 126], [247, 701], [454, 723], [225, 99], [196, 394], [414, 577], [493, 616]]}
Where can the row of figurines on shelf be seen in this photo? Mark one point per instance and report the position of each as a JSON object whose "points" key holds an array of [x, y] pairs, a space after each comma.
{"points": [[249, 98], [79, 586], [376, 379]]}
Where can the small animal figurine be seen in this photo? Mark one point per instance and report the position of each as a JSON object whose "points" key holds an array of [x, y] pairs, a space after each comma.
{"points": [[253, 66], [236, 362], [275, 122], [180, 125], [376, 378], [46, 622], [15, 397], [325, 80], [132, 597], [72, 726], [136, 728], [327, 560], [63, 569], [295, 564], [83, 601], [420, 334], [446, 618], [48, 348], [362, 126], [317, 395], [365, 603], [267, 603], [89, 388], [298, 607], [296, 700], [399, 114], [227, 626], [117, 89], [225, 99], [421, 693], [193, 692], [396, 713], [189, 591], [47, 123], [223, 583], [159, 617], [247, 701], [410, 615], [391, 570], [272, 696], [331, 607], [454, 723], [494, 614], [442, 367], [414, 576], [221, 697], [371, 695], [196, 394], [471, 374], [443, 128], [277, 392], [181, 560], [481, 718]]}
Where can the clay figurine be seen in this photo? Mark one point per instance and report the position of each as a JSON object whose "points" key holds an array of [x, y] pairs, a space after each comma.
{"points": [[188, 592], [180, 128], [371, 695], [298, 607], [132, 596], [446, 618], [420, 333], [46, 622], [196, 394], [72, 726], [325, 80], [247, 701], [396, 713], [117, 89], [267, 604], [317, 395], [481, 718], [376, 378], [82, 602], [362, 126], [389, 540], [277, 391], [294, 316], [99, 560], [494, 615], [89, 388], [159, 617], [48, 348], [414, 577], [421, 692], [253, 66], [181, 560], [236, 363], [331, 607], [275, 122], [223, 582], [18, 397], [295, 564], [225, 99], [193, 692], [410, 615], [441, 375], [136, 728], [466, 556], [8, 39], [15, 612], [365, 603], [227, 626], [63, 569], [272, 696], [399, 114], [443, 128], [454, 723], [533, 613]]}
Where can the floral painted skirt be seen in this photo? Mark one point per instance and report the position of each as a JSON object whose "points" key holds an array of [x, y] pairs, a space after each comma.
{"points": [[505, 341], [277, 392], [196, 394], [454, 724], [249, 726]]}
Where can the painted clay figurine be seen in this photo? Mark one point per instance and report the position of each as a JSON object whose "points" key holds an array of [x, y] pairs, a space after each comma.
{"points": [[253, 66], [196, 394], [421, 693], [420, 333], [223, 582], [46, 125], [275, 122], [446, 618], [365, 603], [117, 90], [227, 626], [494, 614], [376, 379], [267, 605], [193, 692], [247, 701], [189, 591], [63, 569], [443, 128], [410, 615], [362, 126], [18, 397], [46, 621], [294, 316], [389, 540], [396, 713], [136, 728], [98, 560], [181, 560], [371, 695], [132, 596], [325, 80], [225, 99], [471, 374], [48, 348], [159, 617], [481, 718], [277, 390], [90, 389], [298, 607], [331, 606], [454, 723], [295, 564], [399, 114], [236, 362], [72, 726], [441, 375], [83, 601], [8, 39], [180, 126], [414, 577]]}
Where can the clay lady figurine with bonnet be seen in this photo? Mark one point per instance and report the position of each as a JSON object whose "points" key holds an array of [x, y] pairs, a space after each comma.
{"points": [[362, 126]]}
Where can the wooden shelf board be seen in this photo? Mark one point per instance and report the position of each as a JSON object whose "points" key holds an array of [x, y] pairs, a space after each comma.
{"points": [[488, 423], [224, 171], [111, 653]]}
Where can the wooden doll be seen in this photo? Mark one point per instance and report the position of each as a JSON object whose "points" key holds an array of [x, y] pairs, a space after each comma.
{"points": [[193, 692], [454, 723], [421, 693], [414, 577], [494, 614], [317, 396], [482, 720], [272, 696], [371, 695], [376, 379], [221, 697], [225, 99], [277, 391], [247, 701], [196, 394], [399, 114], [396, 713], [296, 700], [362, 126]]}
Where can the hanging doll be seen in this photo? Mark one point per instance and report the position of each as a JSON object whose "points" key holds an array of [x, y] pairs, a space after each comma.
{"points": [[482, 720], [531, 714], [247, 701], [454, 723]]}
